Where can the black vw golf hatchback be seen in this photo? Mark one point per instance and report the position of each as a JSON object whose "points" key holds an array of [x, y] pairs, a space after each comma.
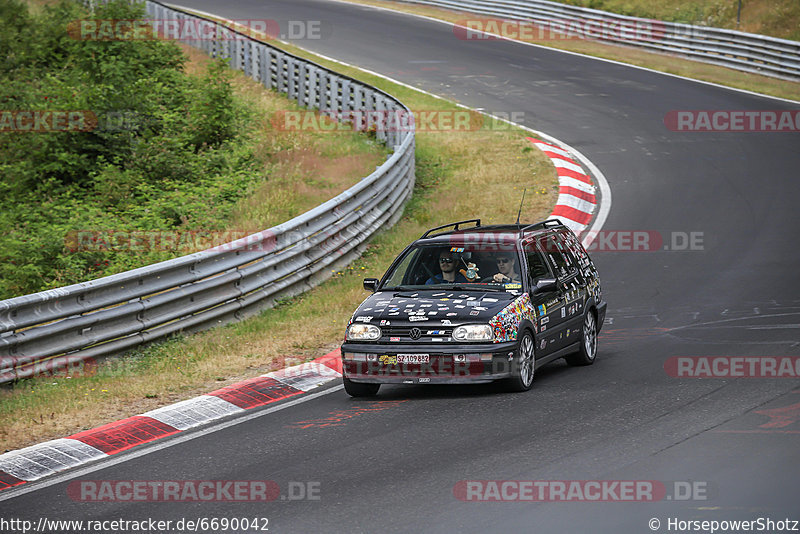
{"points": [[471, 303]]}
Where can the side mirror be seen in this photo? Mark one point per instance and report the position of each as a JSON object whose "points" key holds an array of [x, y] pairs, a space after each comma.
{"points": [[546, 284], [371, 284]]}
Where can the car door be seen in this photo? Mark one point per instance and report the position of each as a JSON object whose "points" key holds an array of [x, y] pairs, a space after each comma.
{"points": [[547, 303], [561, 324], [576, 290]]}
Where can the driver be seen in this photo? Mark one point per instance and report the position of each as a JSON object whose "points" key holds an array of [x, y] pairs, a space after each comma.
{"points": [[449, 275], [507, 268]]}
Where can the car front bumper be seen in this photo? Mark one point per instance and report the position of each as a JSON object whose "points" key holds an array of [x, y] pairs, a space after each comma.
{"points": [[446, 364]]}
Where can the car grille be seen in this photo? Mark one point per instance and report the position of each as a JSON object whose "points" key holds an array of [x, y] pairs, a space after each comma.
{"points": [[404, 332]]}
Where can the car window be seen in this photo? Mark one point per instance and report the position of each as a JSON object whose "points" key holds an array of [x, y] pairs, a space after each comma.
{"points": [[562, 265], [467, 263], [566, 253], [401, 274], [574, 249], [537, 265]]}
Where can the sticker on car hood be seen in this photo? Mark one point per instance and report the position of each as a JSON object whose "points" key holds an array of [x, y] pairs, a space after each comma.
{"points": [[505, 324]]}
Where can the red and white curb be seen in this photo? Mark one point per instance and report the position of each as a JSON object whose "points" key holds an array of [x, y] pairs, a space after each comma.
{"points": [[50, 457], [576, 193]]}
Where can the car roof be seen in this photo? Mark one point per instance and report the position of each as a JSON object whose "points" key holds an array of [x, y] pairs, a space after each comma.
{"points": [[512, 231]]}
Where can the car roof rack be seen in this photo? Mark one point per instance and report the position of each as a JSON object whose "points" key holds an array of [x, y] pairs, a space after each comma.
{"points": [[549, 223], [454, 225]]}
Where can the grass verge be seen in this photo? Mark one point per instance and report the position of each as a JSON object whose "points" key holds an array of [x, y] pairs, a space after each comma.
{"points": [[303, 168], [460, 174]]}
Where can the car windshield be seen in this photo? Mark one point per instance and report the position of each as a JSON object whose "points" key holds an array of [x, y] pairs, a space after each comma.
{"points": [[462, 267]]}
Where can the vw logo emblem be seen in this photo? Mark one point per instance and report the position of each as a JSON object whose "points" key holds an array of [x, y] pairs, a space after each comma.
{"points": [[415, 333]]}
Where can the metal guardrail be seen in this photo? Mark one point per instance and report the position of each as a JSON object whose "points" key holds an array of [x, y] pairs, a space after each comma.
{"points": [[55, 329], [748, 52]]}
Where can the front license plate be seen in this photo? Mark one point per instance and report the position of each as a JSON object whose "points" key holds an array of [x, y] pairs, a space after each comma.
{"points": [[413, 358]]}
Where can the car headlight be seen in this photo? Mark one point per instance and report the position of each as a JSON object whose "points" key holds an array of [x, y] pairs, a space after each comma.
{"points": [[473, 332], [363, 332]]}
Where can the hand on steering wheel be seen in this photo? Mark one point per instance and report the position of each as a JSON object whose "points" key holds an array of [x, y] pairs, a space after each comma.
{"points": [[497, 278]]}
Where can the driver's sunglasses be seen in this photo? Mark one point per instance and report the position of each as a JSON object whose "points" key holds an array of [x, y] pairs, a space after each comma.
{"points": [[446, 260], [503, 260]]}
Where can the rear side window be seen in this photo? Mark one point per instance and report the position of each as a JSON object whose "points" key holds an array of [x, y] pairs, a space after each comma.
{"points": [[575, 249]]}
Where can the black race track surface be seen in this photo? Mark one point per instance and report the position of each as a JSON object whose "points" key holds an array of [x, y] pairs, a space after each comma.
{"points": [[624, 418]]}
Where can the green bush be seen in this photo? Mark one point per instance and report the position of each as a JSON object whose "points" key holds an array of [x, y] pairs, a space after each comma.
{"points": [[168, 151]]}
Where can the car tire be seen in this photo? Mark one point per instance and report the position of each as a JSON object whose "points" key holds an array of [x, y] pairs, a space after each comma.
{"points": [[588, 345], [524, 365], [355, 389]]}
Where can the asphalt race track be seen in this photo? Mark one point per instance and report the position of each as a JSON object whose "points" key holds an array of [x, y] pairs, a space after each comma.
{"points": [[393, 466]]}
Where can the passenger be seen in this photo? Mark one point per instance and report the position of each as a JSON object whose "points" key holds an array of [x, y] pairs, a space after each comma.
{"points": [[449, 275], [508, 268]]}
